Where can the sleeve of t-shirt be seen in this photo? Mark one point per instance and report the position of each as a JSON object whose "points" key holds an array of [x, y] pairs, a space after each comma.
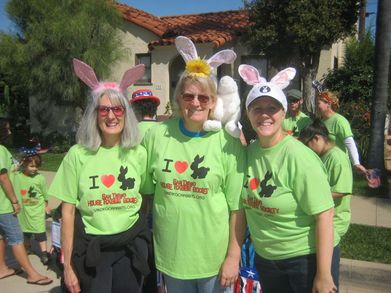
{"points": [[235, 160], [143, 167], [310, 185], [148, 144], [340, 179], [65, 183], [343, 128], [3, 160]]}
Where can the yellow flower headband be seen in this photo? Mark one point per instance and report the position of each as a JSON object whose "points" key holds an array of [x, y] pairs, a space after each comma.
{"points": [[198, 67]]}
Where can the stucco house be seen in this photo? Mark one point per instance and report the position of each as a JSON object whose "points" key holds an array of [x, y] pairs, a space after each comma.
{"points": [[149, 39]]}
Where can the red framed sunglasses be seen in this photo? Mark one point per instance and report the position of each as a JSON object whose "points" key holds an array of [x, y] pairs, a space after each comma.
{"points": [[203, 99], [118, 111]]}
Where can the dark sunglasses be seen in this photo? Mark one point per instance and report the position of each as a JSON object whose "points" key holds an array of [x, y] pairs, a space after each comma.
{"points": [[118, 111], [293, 101], [190, 97]]}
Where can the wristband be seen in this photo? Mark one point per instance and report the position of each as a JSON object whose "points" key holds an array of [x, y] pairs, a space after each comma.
{"points": [[15, 202]]}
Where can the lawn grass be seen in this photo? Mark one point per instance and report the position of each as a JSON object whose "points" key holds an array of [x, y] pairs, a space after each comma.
{"points": [[51, 161], [367, 243]]}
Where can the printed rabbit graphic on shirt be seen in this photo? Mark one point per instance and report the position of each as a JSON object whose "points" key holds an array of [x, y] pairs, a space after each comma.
{"points": [[267, 190], [198, 172], [127, 183]]}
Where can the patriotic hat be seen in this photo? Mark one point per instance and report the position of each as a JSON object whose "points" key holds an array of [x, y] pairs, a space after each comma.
{"points": [[144, 94]]}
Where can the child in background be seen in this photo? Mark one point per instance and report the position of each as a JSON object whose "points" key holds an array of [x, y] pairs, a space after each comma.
{"points": [[339, 171], [30, 187]]}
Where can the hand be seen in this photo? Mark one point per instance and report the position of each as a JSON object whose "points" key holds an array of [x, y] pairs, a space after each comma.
{"points": [[71, 280], [229, 271], [323, 284], [16, 207], [360, 169]]}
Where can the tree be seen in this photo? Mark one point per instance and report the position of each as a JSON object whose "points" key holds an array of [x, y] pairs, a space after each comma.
{"points": [[293, 32], [49, 34], [380, 88]]}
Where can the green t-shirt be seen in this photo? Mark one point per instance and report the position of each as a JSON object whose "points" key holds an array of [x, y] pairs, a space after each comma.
{"points": [[145, 125], [196, 182], [339, 129], [6, 163], [340, 177], [286, 187], [104, 185], [293, 125], [32, 194]]}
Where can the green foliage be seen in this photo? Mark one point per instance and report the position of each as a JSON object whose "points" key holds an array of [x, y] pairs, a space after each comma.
{"points": [[367, 243], [297, 30], [51, 33], [51, 161]]}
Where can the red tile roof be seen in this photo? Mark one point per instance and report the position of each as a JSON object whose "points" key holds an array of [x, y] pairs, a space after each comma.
{"points": [[216, 27]]}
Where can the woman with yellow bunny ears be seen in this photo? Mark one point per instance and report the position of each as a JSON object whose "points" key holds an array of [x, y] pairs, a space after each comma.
{"points": [[195, 177]]}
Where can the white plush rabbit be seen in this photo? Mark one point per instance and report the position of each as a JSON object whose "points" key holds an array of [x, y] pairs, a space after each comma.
{"points": [[261, 87], [227, 110]]}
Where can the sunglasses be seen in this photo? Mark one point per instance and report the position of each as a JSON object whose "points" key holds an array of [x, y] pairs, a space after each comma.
{"points": [[190, 97], [118, 111], [293, 101]]}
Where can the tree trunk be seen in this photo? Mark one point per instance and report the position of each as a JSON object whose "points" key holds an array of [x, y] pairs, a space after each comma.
{"points": [[380, 88], [309, 71]]}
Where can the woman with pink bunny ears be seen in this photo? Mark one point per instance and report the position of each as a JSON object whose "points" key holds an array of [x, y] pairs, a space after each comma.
{"points": [[104, 238], [287, 198], [195, 177]]}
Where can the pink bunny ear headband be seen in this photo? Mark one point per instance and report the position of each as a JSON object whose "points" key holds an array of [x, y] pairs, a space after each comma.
{"points": [[195, 66], [261, 87], [87, 75]]}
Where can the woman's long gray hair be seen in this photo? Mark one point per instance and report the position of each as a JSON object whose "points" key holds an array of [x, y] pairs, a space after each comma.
{"points": [[89, 134]]}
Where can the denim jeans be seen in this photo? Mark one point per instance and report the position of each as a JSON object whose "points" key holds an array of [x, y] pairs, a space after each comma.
{"points": [[205, 285], [294, 275], [10, 229]]}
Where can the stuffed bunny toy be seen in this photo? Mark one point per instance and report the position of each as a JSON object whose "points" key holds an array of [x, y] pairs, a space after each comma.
{"points": [[87, 75], [261, 87], [227, 110]]}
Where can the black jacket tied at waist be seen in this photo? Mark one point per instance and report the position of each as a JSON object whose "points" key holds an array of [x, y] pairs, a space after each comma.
{"points": [[87, 249]]}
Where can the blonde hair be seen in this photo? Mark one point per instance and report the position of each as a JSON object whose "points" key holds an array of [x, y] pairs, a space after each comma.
{"points": [[331, 98], [207, 83]]}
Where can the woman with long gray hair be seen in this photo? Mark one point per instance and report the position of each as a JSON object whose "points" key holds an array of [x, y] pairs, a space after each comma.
{"points": [[104, 239]]}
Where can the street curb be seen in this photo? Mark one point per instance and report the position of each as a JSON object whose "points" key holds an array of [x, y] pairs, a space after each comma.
{"points": [[365, 272]]}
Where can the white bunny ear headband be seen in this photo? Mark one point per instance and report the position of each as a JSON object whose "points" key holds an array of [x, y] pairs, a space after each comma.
{"points": [[261, 87], [195, 66], [87, 75]]}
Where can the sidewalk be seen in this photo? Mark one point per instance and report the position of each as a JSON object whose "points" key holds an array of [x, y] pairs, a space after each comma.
{"points": [[355, 276]]}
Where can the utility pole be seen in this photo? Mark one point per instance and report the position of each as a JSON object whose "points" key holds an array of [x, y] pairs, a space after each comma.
{"points": [[361, 21]]}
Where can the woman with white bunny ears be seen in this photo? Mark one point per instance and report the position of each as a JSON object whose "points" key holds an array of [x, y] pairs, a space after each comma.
{"points": [[287, 198], [99, 183], [195, 177]]}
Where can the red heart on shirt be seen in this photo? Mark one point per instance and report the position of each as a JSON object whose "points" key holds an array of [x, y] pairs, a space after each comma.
{"points": [[181, 167], [253, 183], [107, 180], [23, 191]]}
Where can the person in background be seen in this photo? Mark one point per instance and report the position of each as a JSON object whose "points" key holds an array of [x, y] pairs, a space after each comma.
{"points": [[30, 187], [327, 105], [286, 197], [10, 231], [339, 171], [295, 120], [104, 237], [195, 177], [145, 105]]}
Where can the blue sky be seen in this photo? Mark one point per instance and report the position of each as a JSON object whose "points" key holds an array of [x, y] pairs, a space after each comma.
{"points": [[155, 7], [175, 7]]}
